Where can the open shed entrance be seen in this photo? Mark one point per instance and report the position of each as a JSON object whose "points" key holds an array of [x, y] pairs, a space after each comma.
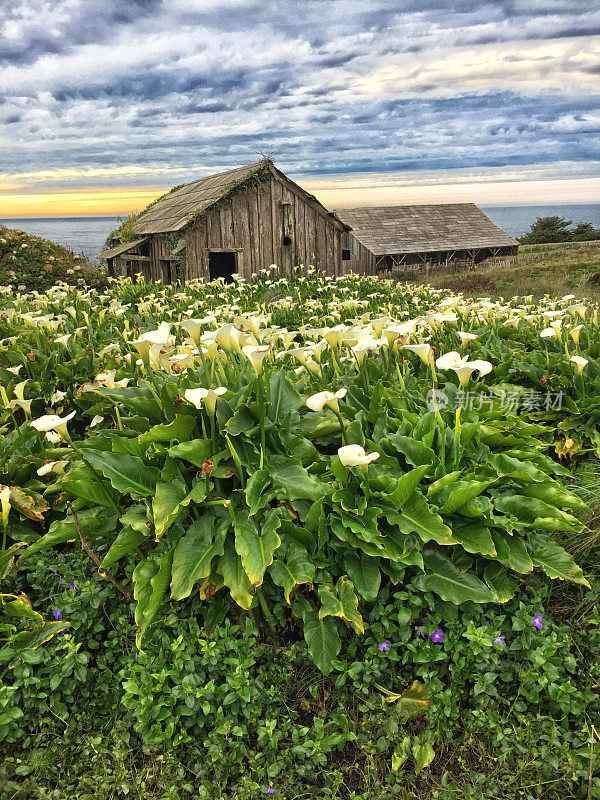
{"points": [[222, 264]]}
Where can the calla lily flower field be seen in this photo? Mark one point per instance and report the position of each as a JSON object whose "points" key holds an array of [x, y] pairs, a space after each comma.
{"points": [[303, 440]]}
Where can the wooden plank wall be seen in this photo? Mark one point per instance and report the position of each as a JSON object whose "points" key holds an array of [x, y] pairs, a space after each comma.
{"points": [[361, 260], [253, 223]]}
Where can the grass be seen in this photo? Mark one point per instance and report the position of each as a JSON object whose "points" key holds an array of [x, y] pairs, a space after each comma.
{"points": [[555, 270]]}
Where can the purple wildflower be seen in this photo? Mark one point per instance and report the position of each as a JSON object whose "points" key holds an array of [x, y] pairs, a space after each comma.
{"points": [[537, 622], [62, 558], [56, 614], [135, 658], [385, 645], [437, 636], [72, 586], [568, 622], [571, 480], [270, 790], [500, 639], [219, 776], [59, 581], [160, 786], [537, 683]]}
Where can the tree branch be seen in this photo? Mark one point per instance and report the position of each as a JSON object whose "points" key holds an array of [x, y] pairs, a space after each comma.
{"points": [[94, 557]]}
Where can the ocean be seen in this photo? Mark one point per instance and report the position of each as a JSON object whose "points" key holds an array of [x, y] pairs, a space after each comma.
{"points": [[87, 234]]}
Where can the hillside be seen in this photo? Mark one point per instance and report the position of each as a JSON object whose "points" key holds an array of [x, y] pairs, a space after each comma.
{"points": [[549, 269], [34, 263]]}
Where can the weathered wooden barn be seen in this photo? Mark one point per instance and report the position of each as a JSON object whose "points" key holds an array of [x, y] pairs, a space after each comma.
{"points": [[414, 237], [240, 221]]}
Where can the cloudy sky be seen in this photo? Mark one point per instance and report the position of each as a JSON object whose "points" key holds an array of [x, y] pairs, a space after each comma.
{"points": [[104, 103]]}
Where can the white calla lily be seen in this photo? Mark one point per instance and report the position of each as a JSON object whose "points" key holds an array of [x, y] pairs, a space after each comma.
{"points": [[451, 360], [57, 467], [52, 422], [580, 362], [256, 355], [574, 333], [465, 370], [424, 351], [208, 397], [353, 455], [317, 402]]}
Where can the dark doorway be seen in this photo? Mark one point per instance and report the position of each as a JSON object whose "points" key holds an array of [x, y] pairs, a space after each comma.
{"points": [[222, 265]]}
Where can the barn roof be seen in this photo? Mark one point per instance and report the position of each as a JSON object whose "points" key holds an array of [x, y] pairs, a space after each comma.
{"points": [[424, 229], [174, 210], [112, 252]]}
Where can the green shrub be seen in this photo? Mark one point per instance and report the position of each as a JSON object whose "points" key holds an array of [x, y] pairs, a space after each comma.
{"points": [[37, 264]]}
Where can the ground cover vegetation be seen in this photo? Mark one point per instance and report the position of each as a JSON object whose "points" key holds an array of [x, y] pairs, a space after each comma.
{"points": [[299, 536], [29, 262], [538, 270]]}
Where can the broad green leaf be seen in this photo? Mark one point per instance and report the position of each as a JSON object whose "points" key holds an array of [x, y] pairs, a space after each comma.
{"points": [[179, 430], [234, 576], [461, 493], [509, 467], [533, 513], [297, 568], [554, 495], [128, 474], [29, 640], [93, 521], [475, 537], [284, 397], [7, 558], [150, 581], [31, 505], [81, 482], [405, 487], [10, 715], [323, 641], [412, 703], [203, 540], [136, 517], [511, 552], [415, 452], [364, 525], [441, 483], [341, 602], [555, 561], [255, 488], [442, 577], [197, 451], [417, 517], [293, 482], [364, 574], [20, 608], [497, 578], [127, 540], [166, 505], [423, 753], [256, 546]]}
